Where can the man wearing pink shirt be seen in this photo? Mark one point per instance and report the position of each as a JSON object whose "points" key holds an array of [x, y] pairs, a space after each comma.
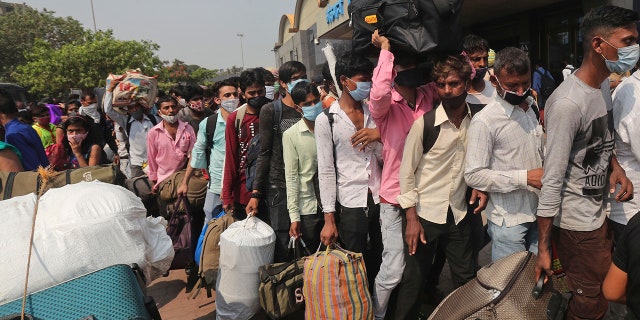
{"points": [[398, 97], [168, 143]]}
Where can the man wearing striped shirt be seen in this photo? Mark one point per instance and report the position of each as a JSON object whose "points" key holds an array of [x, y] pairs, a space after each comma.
{"points": [[504, 156]]}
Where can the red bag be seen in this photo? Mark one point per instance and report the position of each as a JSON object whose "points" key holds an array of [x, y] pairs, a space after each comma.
{"points": [[179, 230], [56, 155]]}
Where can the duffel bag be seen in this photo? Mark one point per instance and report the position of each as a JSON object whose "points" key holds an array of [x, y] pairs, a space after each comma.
{"points": [[134, 87], [13, 184], [364, 21], [335, 284], [197, 188], [281, 283]]}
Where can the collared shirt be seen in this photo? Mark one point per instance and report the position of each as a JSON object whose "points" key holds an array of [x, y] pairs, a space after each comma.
{"points": [[394, 118], [357, 171], [433, 181], [504, 143], [137, 138], [216, 160], [300, 167], [23, 137], [626, 120], [168, 155], [484, 97]]}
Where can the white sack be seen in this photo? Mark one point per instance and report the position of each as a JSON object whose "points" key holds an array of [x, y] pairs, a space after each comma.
{"points": [[80, 228], [244, 247]]}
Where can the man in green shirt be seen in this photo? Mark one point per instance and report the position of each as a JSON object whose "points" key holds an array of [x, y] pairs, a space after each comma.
{"points": [[301, 167]]}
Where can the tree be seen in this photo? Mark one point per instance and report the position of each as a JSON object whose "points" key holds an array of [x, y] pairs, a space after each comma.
{"points": [[85, 63], [19, 30]]}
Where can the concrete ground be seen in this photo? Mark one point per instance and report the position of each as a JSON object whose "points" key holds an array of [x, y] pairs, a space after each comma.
{"points": [[173, 303]]}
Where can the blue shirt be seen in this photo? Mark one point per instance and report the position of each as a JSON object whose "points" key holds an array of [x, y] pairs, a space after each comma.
{"points": [[216, 163], [23, 137]]}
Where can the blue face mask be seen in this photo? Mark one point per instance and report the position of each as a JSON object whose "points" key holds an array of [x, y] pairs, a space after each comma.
{"points": [[311, 112], [293, 83], [627, 58], [361, 92]]}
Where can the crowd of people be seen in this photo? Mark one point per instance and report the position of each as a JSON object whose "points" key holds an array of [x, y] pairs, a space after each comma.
{"points": [[395, 163]]}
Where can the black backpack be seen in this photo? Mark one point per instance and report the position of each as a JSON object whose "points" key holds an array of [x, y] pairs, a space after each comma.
{"points": [[421, 26], [547, 84], [212, 121], [364, 21], [431, 131], [253, 150]]}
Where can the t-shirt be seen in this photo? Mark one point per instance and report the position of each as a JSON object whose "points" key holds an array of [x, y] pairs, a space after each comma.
{"points": [[627, 258], [187, 115], [579, 146], [484, 97]]}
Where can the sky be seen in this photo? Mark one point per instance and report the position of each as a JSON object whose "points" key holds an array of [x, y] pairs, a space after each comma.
{"points": [[200, 32]]}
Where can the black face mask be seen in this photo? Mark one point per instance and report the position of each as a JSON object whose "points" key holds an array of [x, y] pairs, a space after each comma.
{"points": [[258, 102], [454, 101], [410, 78], [514, 99]]}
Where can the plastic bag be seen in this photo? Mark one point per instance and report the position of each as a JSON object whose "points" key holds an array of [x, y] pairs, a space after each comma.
{"points": [[80, 228], [244, 247]]}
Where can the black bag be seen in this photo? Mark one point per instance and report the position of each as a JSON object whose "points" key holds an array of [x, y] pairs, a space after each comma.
{"points": [[547, 85], [179, 230], [364, 21], [421, 26]]}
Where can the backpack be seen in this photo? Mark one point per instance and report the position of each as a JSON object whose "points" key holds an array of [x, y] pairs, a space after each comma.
{"points": [[431, 131], [364, 21], [212, 122], [152, 118], [210, 256], [253, 150], [547, 84]]}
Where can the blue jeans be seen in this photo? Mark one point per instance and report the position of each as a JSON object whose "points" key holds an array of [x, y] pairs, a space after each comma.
{"points": [[508, 240], [212, 206], [392, 265]]}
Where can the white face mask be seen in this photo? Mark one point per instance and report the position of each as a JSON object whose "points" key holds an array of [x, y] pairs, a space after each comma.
{"points": [[269, 92], [230, 104], [169, 119], [91, 111]]}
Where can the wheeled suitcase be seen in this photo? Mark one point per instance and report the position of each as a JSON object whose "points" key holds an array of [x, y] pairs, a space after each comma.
{"points": [[115, 292], [505, 289]]}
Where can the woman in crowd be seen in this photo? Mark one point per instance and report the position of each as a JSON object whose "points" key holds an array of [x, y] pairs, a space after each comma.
{"points": [[80, 149]]}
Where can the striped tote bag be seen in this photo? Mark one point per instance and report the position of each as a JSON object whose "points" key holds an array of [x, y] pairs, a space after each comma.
{"points": [[335, 286]]}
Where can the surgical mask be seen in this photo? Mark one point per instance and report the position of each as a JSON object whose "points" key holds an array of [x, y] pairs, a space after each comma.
{"points": [[169, 119], [91, 111], [230, 104], [77, 138], [412, 78], [138, 114], [361, 92], [627, 58], [293, 83], [311, 112], [512, 97], [182, 102], [258, 102], [73, 114], [276, 87], [196, 106], [481, 72], [269, 92]]}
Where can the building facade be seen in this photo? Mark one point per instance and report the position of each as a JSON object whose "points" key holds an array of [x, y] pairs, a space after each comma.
{"points": [[547, 29]]}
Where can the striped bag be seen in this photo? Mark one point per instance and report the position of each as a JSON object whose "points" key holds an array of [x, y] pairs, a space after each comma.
{"points": [[335, 286]]}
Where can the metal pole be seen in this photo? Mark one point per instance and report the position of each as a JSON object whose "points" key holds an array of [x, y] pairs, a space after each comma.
{"points": [[241, 49], [94, 18]]}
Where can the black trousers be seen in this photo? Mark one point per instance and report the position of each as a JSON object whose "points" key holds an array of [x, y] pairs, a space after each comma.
{"points": [[456, 243], [359, 231], [278, 217], [311, 226]]}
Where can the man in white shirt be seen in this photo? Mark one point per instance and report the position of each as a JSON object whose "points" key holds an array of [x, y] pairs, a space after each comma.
{"points": [[349, 170], [504, 157], [480, 91], [135, 126], [433, 190]]}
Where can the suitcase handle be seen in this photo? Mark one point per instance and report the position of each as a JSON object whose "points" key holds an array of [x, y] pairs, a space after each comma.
{"points": [[537, 289]]}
